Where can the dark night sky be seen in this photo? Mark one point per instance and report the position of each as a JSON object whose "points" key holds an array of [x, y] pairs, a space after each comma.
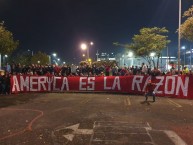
{"points": [[61, 25]]}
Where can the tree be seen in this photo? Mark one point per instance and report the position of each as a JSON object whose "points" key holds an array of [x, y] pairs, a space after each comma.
{"points": [[104, 62], [40, 58], [150, 40], [7, 43], [23, 59], [82, 63], [187, 27]]}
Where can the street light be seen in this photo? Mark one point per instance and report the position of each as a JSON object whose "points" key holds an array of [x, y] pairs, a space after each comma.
{"points": [[123, 57], [54, 54], [91, 43], [85, 46], [184, 48], [4, 58], [179, 31], [130, 55], [32, 53], [152, 54]]}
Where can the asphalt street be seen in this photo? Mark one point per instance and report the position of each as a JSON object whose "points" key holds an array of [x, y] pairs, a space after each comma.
{"points": [[94, 119]]}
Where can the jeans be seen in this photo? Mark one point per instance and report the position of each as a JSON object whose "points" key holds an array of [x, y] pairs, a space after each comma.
{"points": [[150, 94]]}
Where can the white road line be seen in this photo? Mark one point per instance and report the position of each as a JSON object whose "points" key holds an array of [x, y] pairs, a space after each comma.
{"points": [[174, 103], [149, 127], [85, 101], [170, 134], [128, 102], [175, 138]]}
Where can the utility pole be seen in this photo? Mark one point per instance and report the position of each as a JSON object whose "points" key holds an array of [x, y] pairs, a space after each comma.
{"points": [[190, 58], [97, 54], [167, 60], [179, 36]]}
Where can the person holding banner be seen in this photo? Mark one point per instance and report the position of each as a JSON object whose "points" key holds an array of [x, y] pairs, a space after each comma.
{"points": [[149, 90]]}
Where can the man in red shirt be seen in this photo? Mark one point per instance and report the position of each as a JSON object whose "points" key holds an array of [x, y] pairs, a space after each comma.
{"points": [[149, 90]]}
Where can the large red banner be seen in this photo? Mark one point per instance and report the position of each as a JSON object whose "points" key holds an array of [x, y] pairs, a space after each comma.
{"points": [[174, 86]]}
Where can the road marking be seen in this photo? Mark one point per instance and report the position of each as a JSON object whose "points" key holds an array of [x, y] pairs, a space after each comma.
{"points": [[85, 101], [73, 129], [104, 130], [174, 137], [127, 102], [174, 103], [149, 127]]}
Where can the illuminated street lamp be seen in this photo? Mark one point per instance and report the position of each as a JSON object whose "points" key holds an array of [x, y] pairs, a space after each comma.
{"points": [[53, 57], [54, 54], [184, 48], [85, 46], [32, 53], [91, 43], [152, 54], [5, 58], [130, 55]]}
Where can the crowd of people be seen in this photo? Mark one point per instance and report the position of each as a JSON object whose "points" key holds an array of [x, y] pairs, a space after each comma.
{"points": [[88, 70], [84, 70]]}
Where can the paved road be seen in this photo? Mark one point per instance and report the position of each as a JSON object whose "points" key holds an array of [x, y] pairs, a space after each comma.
{"points": [[94, 119]]}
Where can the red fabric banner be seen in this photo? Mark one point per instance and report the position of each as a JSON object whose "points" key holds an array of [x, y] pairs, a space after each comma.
{"points": [[173, 86]]}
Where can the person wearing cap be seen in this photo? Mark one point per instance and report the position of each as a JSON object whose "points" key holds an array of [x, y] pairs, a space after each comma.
{"points": [[149, 90]]}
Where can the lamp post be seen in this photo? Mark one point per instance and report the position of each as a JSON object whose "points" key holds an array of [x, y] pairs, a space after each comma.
{"points": [[83, 56], [179, 31], [152, 55], [85, 46], [123, 56], [190, 58], [54, 57], [32, 53], [167, 60], [184, 48], [130, 55]]}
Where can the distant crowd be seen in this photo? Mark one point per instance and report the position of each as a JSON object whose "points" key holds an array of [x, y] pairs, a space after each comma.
{"points": [[89, 70], [85, 70]]}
